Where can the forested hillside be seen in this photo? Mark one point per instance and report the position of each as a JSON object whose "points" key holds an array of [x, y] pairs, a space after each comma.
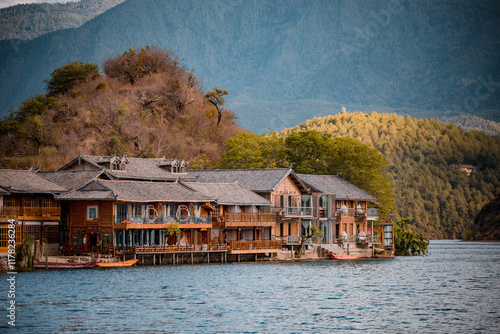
{"points": [[145, 105], [487, 223], [286, 61], [27, 21], [440, 200]]}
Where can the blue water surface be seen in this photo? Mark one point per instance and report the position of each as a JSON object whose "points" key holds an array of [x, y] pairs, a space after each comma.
{"points": [[455, 289]]}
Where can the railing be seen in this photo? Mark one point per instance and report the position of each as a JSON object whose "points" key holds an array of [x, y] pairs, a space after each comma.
{"points": [[250, 217], [293, 211], [163, 220], [354, 238], [179, 248], [290, 239], [372, 212], [30, 211], [255, 244]]}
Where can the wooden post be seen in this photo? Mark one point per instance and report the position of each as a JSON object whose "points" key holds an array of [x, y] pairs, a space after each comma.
{"points": [[208, 257], [192, 260], [255, 257], [154, 259]]}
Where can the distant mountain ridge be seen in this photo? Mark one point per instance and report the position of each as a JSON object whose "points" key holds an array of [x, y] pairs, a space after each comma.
{"points": [[28, 21], [299, 57]]}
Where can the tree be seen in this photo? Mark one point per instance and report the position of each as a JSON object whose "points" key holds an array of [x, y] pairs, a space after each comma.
{"points": [[408, 243], [363, 166], [248, 150], [65, 77], [308, 152], [135, 64], [216, 97]]}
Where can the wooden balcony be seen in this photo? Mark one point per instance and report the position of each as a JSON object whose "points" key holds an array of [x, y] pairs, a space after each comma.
{"points": [[254, 246], [30, 213], [246, 220]]}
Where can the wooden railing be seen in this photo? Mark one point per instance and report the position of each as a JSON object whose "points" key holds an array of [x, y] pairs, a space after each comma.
{"points": [[10, 212], [174, 248], [292, 211], [255, 244], [250, 217]]}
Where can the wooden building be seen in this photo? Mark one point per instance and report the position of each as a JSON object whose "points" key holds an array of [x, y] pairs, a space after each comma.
{"points": [[281, 187], [241, 218], [342, 211], [28, 199], [118, 215]]}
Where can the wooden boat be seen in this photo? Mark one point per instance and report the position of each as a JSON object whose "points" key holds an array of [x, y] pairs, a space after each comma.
{"points": [[343, 257], [128, 263], [66, 265]]}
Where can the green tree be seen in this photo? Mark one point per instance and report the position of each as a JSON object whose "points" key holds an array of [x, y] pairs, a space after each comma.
{"points": [[248, 150], [407, 242], [65, 77], [308, 152], [363, 166]]}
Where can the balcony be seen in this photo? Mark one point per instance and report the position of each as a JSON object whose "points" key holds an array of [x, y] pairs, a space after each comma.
{"points": [[162, 220], [370, 214], [30, 213], [254, 246], [350, 239], [290, 239], [291, 212], [247, 219]]}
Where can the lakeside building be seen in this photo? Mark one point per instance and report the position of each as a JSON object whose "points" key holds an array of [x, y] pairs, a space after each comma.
{"points": [[125, 206], [28, 199]]}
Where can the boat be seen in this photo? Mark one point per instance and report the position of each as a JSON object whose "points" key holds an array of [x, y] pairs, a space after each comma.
{"points": [[128, 263], [343, 257], [66, 265]]}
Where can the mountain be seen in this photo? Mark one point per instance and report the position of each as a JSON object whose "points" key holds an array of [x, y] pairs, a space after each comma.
{"points": [[284, 62], [423, 157], [28, 21]]}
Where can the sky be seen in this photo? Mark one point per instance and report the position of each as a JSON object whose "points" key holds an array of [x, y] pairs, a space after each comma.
{"points": [[8, 3]]}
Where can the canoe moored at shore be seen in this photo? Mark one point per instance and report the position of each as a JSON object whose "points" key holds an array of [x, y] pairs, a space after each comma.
{"points": [[57, 265], [343, 257], [128, 263]]}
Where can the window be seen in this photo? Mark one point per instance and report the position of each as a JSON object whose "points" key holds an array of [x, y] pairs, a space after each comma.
{"points": [[388, 235], [92, 213]]}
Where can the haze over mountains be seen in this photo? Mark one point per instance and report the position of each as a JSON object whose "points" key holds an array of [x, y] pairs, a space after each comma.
{"points": [[284, 62]]}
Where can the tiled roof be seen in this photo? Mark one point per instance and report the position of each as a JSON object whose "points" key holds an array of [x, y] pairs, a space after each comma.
{"points": [[73, 179], [139, 191], [332, 184], [229, 193], [136, 168], [258, 180], [89, 195], [27, 181]]}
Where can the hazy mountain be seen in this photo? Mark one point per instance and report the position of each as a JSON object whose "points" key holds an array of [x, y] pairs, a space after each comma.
{"points": [[28, 21], [286, 61]]}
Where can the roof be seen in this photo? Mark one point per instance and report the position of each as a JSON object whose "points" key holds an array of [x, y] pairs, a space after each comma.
{"points": [[229, 193], [73, 179], [136, 168], [333, 184], [136, 191], [257, 180], [27, 181]]}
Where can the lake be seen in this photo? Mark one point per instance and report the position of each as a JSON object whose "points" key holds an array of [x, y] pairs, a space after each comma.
{"points": [[455, 289]]}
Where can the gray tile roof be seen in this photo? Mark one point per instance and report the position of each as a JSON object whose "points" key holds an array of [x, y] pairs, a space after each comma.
{"points": [[88, 195], [229, 193], [27, 181], [332, 184], [257, 180], [73, 179], [136, 168], [138, 191]]}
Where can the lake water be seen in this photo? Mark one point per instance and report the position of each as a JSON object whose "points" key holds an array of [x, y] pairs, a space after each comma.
{"points": [[456, 289]]}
